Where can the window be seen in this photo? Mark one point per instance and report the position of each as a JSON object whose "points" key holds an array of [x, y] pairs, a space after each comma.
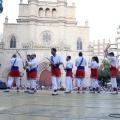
{"points": [[47, 12], [53, 12], [79, 44], [40, 12], [13, 42]]}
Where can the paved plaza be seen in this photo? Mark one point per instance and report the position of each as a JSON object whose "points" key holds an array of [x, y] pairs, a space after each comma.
{"points": [[43, 106]]}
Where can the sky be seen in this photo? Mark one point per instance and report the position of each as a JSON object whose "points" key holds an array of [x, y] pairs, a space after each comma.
{"points": [[103, 16]]}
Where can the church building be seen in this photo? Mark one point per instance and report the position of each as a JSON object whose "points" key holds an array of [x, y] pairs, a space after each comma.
{"points": [[41, 25]]}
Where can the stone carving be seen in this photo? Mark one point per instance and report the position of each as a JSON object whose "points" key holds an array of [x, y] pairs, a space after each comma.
{"points": [[47, 37], [41, 46], [45, 46]]}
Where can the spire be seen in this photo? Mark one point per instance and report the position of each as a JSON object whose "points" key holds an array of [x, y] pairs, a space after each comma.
{"points": [[73, 3], [6, 19], [86, 23], [21, 1]]}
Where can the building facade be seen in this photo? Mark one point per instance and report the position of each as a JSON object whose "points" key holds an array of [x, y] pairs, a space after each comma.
{"points": [[41, 25]]}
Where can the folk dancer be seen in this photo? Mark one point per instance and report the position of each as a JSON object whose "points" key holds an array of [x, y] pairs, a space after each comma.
{"points": [[80, 63], [94, 74], [113, 71], [14, 73], [68, 69], [55, 63], [27, 68], [32, 74]]}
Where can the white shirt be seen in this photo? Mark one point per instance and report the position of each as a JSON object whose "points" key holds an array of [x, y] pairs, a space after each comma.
{"points": [[27, 67], [112, 60], [94, 64], [69, 64], [33, 64], [17, 63], [78, 60], [56, 59]]}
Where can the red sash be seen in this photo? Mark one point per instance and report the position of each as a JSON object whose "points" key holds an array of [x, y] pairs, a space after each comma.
{"points": [[32, 75], [94, 73], [69, 74], [113, 72], [27, 72], [14, 73], [55, 72], [80, 73]]}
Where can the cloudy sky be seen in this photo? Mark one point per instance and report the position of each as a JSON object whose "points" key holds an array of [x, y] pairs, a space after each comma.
{"points": [[103, 16]]}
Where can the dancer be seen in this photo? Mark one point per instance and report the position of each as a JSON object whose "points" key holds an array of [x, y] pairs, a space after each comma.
{"points": [[68, 69], [80, 63], [14, 72], [113, 70], [27, 68], [32, 74], [94, 74], [55, 62]]}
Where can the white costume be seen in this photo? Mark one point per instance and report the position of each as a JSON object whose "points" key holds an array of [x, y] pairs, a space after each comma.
{"points": [[32, 75], [113, 72], [68, 82], [55, 73], [27, 82], [14, 72], [80, 63], [94, 75]]}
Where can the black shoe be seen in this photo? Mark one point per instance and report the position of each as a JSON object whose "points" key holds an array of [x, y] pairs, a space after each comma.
{"points": [[6, 91], [31, 92], [92, 92], [67, 92], [26, 91], [55, 93]]}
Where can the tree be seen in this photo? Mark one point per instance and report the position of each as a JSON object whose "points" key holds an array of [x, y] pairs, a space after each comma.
{"points": [[1, 7], [118, 77], [104, 72]]}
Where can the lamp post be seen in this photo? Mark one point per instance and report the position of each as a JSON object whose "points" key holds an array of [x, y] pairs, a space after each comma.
{"points": [[1, 7]]}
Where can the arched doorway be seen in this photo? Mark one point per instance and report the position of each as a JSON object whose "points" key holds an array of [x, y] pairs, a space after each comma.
{"points": [[45, 78]]}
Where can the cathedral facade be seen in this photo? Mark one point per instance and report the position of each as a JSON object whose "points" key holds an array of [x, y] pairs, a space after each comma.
{"points": [[41, 25]]}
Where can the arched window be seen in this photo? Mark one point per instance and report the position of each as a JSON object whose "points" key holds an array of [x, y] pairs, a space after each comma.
{"points": [[54, 12], [40, 12], [47, 12], [13, 42], [79, 44]]}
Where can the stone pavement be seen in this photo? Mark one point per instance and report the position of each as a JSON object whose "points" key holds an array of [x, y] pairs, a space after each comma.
{"points": [[43, 106]]}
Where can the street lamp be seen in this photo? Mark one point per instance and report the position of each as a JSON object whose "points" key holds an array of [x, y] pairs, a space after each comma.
{"points": [[1, 7]]}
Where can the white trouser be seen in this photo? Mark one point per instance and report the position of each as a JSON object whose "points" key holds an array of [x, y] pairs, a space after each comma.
{"points": [[94, 83], [27, 85], [32, 84], [11, 79], [55, 82], [81, 82], [113, 82], [68, 83]]}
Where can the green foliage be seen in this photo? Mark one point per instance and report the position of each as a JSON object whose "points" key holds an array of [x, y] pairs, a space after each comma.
{"points": [[104, 72], [118, 77], [1, 7]]}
